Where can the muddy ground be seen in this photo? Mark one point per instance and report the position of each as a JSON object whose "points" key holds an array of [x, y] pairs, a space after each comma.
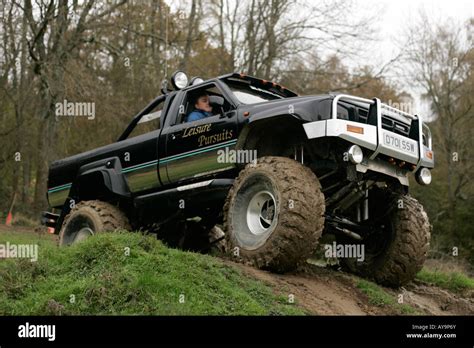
{"points": [[324, 291]]}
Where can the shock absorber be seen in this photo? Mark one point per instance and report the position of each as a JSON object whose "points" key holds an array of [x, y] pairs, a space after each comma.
{"points": [[295, 156], [365, 205]]}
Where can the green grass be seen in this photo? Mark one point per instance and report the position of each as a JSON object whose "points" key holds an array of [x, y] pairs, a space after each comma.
{"points": [[379, 297], [105, 281], [454, 281], [27, 238]]}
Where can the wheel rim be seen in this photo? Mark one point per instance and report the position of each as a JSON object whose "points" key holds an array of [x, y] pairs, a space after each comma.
{"points": [[261, 212], [83, 233], [79, 228], [255, 212]]}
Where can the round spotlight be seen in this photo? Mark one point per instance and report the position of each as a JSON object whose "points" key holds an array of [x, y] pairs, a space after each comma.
{"points": [[196, 81], [179, 80], [423, 176], [355, 154]]}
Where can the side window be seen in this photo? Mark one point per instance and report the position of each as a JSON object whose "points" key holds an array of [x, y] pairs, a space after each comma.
{"points": [[203, 102], [149, 122]]}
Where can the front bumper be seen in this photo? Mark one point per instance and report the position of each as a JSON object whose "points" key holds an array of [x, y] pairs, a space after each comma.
{"points": [[415, 149]]}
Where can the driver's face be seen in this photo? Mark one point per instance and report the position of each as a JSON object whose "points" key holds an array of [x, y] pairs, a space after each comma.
{"points": [[203, 104]]}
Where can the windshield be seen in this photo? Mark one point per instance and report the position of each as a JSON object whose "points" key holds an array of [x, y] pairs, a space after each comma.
{"points": [[248, 94]]}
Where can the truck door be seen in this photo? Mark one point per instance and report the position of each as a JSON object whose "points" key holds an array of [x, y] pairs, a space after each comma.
{"points": [[139, 156], [192, 149]]}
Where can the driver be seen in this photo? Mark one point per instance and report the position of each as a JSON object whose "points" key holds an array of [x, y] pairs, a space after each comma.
{"points": [[202, 108]]}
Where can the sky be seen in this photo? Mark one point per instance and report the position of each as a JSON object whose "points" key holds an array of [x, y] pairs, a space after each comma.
{"points": [[396, 16]]}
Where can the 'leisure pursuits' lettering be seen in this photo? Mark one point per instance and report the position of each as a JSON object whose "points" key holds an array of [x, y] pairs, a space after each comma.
{"points": [[215, 138], [197, 130]]}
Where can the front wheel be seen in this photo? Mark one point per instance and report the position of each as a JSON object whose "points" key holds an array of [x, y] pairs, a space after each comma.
{"points": [[274, 214], [396, 249]]}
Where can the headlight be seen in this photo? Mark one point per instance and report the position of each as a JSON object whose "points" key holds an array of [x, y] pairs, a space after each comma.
{"points": [[179, 80], [423, 176], [355, 154], [196, 81]]}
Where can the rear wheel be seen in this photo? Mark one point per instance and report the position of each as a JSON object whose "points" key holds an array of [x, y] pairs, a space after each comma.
{"points": [[90, 217], [274, 214]]}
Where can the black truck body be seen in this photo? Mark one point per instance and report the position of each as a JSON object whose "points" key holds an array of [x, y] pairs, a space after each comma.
{"points": [[149, 174]]}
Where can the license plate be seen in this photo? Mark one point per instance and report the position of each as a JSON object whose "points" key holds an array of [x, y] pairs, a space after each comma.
{"points": [[400, 143]]}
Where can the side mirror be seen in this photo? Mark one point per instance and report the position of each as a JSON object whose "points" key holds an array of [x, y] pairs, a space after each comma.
{"points": [[229, 114]]}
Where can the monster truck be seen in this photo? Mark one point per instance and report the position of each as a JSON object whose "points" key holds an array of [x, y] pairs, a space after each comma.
{"points": [[273, 169]]}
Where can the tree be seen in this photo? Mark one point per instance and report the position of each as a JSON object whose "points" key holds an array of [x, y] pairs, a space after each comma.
{"points": [[53, 36], [440, 60]]}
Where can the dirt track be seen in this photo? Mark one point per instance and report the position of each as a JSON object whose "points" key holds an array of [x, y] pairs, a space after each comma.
{"points": [[323, 291], [326, 291]]}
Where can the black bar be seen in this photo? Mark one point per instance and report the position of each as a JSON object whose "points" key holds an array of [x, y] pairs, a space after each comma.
{"points": [[242, 330]]}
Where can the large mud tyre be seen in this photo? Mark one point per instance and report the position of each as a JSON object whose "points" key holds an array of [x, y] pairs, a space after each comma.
{"points": [[274, 214], [403, 252], [91, 217]]}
